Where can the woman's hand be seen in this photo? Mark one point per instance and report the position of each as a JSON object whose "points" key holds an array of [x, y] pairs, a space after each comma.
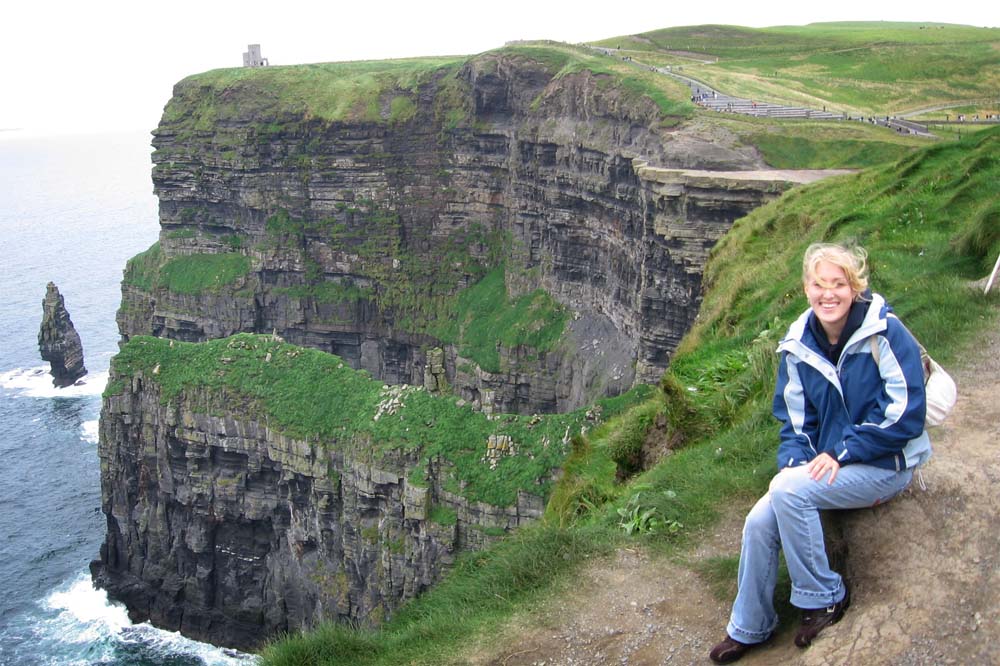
{"points": [[819, 466]]}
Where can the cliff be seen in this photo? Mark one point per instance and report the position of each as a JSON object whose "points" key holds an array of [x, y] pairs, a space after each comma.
{"points": [[58, 341], [515, 234], [357, 232], [253, 487]]}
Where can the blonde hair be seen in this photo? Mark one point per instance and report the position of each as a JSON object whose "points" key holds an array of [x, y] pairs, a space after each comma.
{"points": [[853, 261]]}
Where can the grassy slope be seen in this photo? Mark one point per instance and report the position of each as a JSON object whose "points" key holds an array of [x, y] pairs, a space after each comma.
{"points": [[348, 91], [931, 224], [860, 68], [384, 91]]}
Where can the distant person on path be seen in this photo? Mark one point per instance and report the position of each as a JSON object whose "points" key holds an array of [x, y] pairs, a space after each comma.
{"points": [[852, 433]]}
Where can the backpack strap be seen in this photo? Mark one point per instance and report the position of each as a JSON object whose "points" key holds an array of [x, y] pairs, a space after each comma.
{"points": [[925, 359]]}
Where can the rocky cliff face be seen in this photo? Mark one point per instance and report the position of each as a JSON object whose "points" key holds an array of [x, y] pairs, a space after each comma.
{"points": [[371, 239], [58, 341], [230, 532], [357, 234]]}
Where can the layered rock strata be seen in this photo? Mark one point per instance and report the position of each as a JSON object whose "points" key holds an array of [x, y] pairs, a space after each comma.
{"points": [[360, 238], [356, 232], [225, 530], [58, 341]]}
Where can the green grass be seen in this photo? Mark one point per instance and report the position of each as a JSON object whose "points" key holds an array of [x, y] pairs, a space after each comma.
{"points": [[185, 274], [203, 272], [142, 270], [626, 437], [334, 92], [485, 315], [784, 151], [859, 68], [443, 515]]}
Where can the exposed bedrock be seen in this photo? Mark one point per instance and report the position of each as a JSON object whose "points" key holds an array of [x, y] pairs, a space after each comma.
{"points": [[230, 532], [58, 341], [354, 231]]}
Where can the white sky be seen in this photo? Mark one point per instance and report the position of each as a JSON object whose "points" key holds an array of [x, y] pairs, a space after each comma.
{"points": [[110, 64]]}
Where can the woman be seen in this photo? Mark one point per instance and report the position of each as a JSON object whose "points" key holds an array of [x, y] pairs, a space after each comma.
{"points": [[852, 433]]}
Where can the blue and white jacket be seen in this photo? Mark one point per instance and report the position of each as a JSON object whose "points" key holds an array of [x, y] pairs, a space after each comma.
{"points": [[857, 411]]}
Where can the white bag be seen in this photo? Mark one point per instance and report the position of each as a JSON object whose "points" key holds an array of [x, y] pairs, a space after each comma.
{"points": [[940, 391]]}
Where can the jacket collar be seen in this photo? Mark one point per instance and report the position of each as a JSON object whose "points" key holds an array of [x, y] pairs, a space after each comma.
{"points": [[797, 342]]}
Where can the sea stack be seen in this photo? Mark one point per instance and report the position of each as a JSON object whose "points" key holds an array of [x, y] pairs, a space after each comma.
{"points": [[58, 341]]}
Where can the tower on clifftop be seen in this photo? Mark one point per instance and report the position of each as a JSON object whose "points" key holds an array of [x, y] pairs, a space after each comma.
{"points": [[252, 57]]}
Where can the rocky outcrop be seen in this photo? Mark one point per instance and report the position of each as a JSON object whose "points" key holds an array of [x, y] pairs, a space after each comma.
{"points": [[58, 341], [231, 532], [358, 234]]}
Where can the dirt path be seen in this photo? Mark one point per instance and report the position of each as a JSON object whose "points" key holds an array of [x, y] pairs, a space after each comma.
{"points": [[925, 574]]}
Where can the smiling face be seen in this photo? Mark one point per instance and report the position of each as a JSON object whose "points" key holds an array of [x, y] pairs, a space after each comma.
{"points": [[830, 297]]}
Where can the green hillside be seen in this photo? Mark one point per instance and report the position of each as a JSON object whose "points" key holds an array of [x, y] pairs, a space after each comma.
{"points": [[861, 68], [385, 91]]}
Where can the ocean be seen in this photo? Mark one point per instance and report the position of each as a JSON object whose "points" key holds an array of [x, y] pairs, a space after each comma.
{"points": [[72, 211]]}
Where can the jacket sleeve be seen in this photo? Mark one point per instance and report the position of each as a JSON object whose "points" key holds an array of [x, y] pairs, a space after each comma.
{"points": [[898, 412], [799, 420]]}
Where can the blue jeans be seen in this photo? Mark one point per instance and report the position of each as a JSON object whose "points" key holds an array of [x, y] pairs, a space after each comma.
{"points": [[787, 518]]}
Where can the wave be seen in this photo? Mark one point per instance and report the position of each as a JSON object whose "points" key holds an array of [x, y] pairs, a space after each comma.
{"points": [[82, 627], [37, 383], [89, 431]]}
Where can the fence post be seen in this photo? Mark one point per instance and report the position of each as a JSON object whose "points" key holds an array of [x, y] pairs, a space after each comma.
{"points": [[989, 283]]}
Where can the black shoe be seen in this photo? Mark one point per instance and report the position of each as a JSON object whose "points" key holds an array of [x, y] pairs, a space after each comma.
{"points": [[816, 620], [729, 650]]}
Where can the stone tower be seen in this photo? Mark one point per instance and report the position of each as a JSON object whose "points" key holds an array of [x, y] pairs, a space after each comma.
{"points": [[252, 57]]}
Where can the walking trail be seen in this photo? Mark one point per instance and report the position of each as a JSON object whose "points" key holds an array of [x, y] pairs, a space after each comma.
{"points": [[924, 572], [710, 98]]}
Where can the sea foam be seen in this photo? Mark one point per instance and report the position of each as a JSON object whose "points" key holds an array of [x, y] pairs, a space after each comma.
{"points": [[89, 431], [37, 383], [90, 627]]}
